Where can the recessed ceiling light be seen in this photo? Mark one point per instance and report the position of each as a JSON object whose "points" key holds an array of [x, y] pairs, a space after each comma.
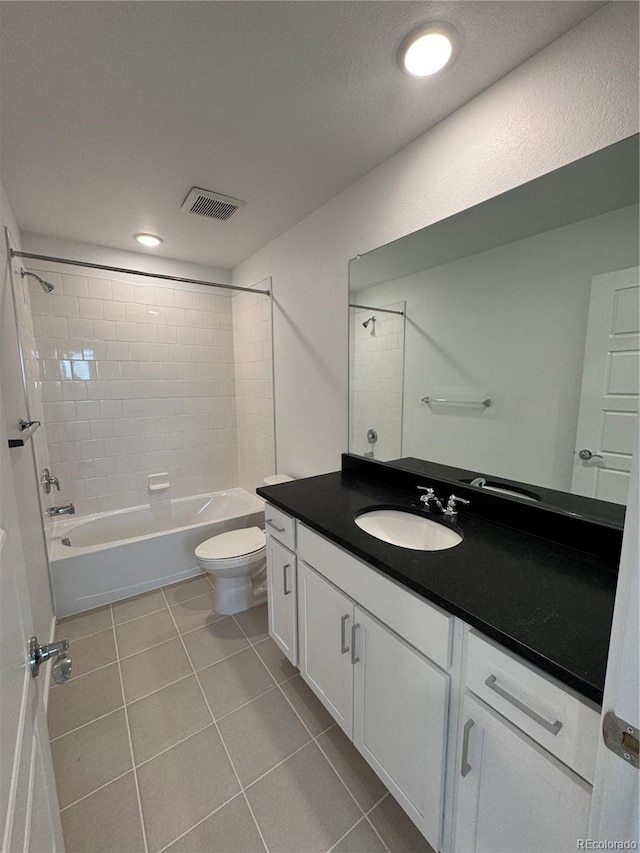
{"points": [[427, 50], [149, 240]]}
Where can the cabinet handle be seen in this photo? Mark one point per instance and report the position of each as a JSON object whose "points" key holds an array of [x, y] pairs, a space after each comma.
{"points": [[284, 578], [343, 623], [354, 659], [465, 767], [275, 526], [554, 728]]}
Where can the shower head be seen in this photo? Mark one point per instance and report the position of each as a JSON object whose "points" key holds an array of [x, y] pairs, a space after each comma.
{"points": [[370, 320], [45, 285]]}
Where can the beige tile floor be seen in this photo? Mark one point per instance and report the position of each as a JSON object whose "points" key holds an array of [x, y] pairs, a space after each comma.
{"points": [[183, 730]]}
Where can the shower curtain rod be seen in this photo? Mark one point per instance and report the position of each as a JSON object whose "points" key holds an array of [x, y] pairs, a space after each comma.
{"points": [[374, 308], [15, 254]]}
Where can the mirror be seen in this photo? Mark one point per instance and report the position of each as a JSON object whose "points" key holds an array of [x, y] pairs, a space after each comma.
{"points": [[504, 340]]}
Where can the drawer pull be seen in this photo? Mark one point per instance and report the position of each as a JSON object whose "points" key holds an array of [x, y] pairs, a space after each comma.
{"points": [[343, 623], [465, 767], [354, 628], [284, 578], [275, 526], [554, 728]]}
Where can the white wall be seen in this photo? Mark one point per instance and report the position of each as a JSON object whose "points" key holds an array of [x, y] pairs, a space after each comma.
{"points": [[576, 96], [509, 324]]}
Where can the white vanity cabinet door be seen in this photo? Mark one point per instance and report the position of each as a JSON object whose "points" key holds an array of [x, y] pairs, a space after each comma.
{"points": [[325, 618], [514, 796], [400, 721], [281, 598]]}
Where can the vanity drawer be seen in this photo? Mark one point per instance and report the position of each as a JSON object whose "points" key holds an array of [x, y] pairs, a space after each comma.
{"points": [[424, 626], [281, 526], [550, 714]]}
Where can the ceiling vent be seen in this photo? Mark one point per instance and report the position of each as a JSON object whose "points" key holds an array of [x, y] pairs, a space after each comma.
{"points": [[201, 202]]}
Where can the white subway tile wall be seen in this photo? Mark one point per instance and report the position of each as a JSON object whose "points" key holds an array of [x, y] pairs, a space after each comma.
{"points": [[376, 381], [139, 378], [253, 357]]}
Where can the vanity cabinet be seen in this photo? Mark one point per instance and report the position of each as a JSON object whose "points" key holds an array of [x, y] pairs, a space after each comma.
{"points": [[527, 755], [512, 794], [390, 699], [282, 582], [425, 699]]}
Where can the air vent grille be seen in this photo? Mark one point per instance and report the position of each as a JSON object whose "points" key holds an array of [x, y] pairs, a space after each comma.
{"points": [[201, 202]]}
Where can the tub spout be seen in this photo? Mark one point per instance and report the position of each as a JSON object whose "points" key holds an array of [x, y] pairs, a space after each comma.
{"points": [[68, 509]]}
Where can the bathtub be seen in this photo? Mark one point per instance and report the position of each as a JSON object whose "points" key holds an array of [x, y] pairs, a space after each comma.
{"points": [[115, 555]]}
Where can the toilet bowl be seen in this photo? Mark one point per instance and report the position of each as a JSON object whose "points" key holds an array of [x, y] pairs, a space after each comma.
{"points": [[237, 561]]}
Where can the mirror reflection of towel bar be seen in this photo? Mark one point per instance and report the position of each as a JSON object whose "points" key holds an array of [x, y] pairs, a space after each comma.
{"points": [[476, 404]]}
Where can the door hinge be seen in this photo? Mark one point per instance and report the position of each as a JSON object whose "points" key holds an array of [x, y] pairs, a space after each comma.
{"points": [[621, 738]]}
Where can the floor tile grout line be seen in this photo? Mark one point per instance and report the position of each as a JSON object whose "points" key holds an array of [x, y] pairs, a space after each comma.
{"points": [[162, 642], [157, 690], [133, 759], [224, 745], [202, 820], [244, 704], [177, 743], [370, 822], [342, 837], [88, 723], [311, 735], [95, 790], [279, 764]]}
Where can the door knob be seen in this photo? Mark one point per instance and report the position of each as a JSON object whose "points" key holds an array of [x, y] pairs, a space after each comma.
{"points": [[38, 654], [585, 454]]}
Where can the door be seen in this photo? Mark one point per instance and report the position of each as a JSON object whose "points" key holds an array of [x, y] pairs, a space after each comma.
{"points": [[512, 795], [608, 418], [400, 721], [326, 643], [616, 788], [281, 598], [28, 799]]}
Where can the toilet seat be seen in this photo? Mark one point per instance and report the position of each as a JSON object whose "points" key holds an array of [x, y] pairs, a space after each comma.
{"points": [[233, 547]]}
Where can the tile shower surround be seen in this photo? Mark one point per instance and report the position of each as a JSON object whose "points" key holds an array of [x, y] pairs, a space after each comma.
{"points": [[183, 730], [140, 378]]}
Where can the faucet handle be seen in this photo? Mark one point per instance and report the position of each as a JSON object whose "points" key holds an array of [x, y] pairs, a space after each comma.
{"points": [[429, 496], [451, 511]]}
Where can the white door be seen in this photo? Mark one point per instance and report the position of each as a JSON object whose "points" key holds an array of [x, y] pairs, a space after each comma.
{"points": [[608, 418], [28, 800], [512, 795], [281, 598], [616, 789], [326, 631], [400, 721]]}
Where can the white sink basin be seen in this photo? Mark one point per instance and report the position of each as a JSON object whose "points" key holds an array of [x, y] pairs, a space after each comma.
{"points": [[408, 530]]}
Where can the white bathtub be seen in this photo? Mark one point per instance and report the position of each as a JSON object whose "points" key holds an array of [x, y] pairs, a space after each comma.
{"points": [[115, 555]]}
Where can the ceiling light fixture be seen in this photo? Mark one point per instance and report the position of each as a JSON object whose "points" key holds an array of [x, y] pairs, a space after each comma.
{"points": [[149, 240], [427, 50]]}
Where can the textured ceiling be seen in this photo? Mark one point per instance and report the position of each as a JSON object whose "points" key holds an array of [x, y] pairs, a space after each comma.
{"points": [[111, 111]]}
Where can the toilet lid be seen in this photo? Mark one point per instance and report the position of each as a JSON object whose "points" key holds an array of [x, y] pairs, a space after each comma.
{"points": [[235, 543]]}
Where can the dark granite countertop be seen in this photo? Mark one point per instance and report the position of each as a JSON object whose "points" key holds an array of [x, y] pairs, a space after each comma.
{"points": [[552, 605]]}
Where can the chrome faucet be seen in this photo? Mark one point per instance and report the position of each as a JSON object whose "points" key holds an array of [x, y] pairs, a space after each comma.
{"points": [[430, 497], [450, 512], [68, 509]]}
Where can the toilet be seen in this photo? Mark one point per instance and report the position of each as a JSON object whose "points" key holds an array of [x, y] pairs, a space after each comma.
{"points": [[237, 560]]}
